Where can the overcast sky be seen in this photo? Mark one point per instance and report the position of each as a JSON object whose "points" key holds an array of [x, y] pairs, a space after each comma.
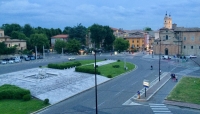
{"points": [[126, 14]]}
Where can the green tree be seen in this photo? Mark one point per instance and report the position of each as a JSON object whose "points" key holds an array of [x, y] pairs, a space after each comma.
{"points": [[67, 30], [78, 32], [39, 40], [18, 35], [27, 30], [59, 44], [109, 38], [97, 34], [73, 45], [2, 48], [120, 44], [9, 28], [5, 50], [147, 29]]}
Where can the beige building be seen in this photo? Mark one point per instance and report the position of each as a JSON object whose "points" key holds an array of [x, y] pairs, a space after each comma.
{"points": [[63, 37], [175, 40], [21, 44]]}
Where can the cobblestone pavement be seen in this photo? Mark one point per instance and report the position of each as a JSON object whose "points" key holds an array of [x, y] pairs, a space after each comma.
{"points": [[56, 85]]}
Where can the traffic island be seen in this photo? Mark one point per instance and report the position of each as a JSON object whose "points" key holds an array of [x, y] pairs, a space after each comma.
{"points": [[185, 93]]}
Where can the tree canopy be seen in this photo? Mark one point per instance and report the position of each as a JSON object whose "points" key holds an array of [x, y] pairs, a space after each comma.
{"points": [[120, 44], [59, 44], [102, 36], [39, 40]]}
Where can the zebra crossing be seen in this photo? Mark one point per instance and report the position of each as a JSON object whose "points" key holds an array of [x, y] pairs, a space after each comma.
{"points": [[159, 109]]}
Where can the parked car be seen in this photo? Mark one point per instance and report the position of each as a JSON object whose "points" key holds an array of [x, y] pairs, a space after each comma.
{"points": [[17, 60], [11, 61], [166, 57], [3, 62], [192, 56], [71, 58], [39, 57], [27, 59]]}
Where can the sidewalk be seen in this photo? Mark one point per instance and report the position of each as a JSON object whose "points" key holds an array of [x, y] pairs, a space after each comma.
{"points": [[152, 90]]}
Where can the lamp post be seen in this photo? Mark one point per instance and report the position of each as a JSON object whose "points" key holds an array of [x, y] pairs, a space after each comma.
{"points": [[95, 79], [159, 59]]}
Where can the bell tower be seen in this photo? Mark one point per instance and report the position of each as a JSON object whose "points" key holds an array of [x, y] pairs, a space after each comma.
{"points": [[168, 21]]}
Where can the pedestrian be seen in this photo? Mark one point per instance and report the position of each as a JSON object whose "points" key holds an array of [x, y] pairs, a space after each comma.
{"points": [[138, 92]]}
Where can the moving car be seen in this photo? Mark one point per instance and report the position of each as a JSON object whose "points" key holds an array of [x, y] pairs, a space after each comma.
{"points": [[71, 58]]}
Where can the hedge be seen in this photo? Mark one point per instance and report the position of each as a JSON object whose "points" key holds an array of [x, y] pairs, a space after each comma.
{"points": [[64, 65], [12, 92], [87, 69]]}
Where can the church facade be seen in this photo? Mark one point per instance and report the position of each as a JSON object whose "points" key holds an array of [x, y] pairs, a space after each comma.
{"points": [[175, 40]]}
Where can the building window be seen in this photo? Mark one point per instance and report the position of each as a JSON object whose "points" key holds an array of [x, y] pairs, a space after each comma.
{"points": [[191, 47], [184, 47], [157, 43], [166, 37], [19, 44], [9, 45], [137, 45], [133, 41], [185, 38], [199, 47], [137, 41], [192, 38], [0, 34]]}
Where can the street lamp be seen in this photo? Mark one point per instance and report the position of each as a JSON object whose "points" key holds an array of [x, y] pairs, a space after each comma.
{"points": [[95, 78], [159, 59]]}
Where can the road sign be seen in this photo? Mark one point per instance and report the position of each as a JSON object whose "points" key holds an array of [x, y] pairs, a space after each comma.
{"points": [[146, 83]]}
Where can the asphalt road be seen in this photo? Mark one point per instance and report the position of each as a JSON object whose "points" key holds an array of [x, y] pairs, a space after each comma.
{"points": [[112, 94]]}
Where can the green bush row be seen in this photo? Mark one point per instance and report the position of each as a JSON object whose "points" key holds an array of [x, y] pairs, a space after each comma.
{"points": [[12, 92], [64, 65], [87, 69]]}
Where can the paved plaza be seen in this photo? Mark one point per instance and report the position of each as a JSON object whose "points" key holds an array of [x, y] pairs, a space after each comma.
{"points": [[56, 85]]}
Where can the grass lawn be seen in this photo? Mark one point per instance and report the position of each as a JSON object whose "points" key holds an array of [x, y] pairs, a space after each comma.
{"points": [[108, 69], [187, 90], [20, 107]]}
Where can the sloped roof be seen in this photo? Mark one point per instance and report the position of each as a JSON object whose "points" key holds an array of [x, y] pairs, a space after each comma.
{"points": [[194, 29], [15, 40], [60, 36]]}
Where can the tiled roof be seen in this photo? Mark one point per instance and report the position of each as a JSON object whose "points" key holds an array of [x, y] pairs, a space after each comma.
{"points": [[61, 36], [194, 29], [15, 40]]}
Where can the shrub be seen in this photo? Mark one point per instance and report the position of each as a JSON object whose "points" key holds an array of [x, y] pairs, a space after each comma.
{"points": [[97, 66], [118, 60], [12, 92], [87, 69], [46, 101], [64, 65], [109, 76], [115, 66], [27, 97]]}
